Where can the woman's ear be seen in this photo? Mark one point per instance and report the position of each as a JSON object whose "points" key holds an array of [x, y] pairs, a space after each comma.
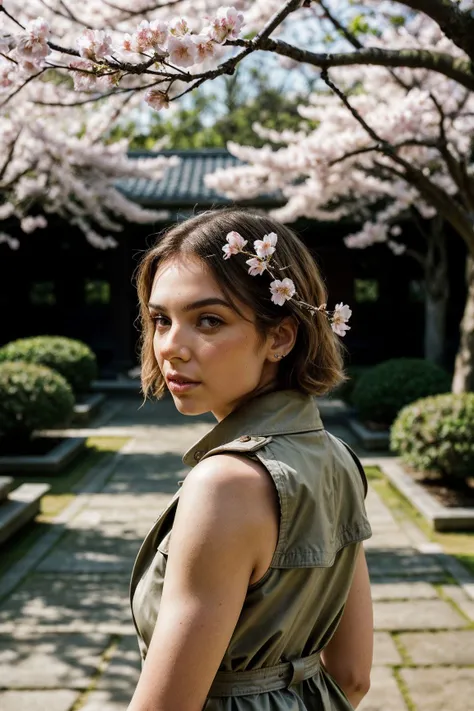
{"points": [[283, 338]]}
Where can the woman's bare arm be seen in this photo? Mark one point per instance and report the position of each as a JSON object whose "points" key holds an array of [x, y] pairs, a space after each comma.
{"points": [[220, 519], [348, 656]]}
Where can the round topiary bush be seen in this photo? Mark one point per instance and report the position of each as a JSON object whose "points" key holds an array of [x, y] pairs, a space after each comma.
{"points": [[436, 434], [32, 397], [73, 359], [380, 394]]}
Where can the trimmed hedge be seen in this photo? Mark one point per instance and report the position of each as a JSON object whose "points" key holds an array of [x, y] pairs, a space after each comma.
{"points": [[385, 389], [32, 397], [73, 359], [436, 434]]}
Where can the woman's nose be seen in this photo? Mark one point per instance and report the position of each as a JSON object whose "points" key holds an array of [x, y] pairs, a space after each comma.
{"points": [[173, 344]]}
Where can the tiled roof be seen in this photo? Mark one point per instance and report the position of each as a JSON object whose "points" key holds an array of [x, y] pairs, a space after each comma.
{"points": [[183, 184]]}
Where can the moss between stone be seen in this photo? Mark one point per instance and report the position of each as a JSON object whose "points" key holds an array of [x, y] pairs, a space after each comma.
{"points": [[460, 545]]}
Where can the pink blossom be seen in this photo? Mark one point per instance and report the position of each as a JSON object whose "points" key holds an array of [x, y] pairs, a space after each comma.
{"points": [[256, 266], [235, 244], [31, 223], [6, 80], [182, 51], [32, 47], [39, 29], [160, 32], [396, 247], [282, 291], [82, 75], [29, 67], [205, 47], [128, 42], [4, 43], [149, 36], [226, 24], [179, 27], [94, 44], [157, 99], [341, 315], [266, 247]]}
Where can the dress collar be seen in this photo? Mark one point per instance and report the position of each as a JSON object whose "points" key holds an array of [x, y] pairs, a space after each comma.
{"points": [[275, 413]]}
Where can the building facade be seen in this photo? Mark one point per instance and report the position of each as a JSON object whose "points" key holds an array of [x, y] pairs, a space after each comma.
{"points": [[58, 284]]}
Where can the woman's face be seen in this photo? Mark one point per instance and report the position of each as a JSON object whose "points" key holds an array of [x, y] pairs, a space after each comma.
{"points": [[200, 338]]}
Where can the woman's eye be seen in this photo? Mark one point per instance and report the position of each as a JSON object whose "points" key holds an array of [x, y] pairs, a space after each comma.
{"points": [[160, 320], [210, 321]]}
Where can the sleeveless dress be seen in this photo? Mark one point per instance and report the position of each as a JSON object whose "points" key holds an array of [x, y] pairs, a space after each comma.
{"points": [[272, 662]]}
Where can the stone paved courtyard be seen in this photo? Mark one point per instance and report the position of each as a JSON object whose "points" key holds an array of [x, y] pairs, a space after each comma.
{"points": [[66, 637]]}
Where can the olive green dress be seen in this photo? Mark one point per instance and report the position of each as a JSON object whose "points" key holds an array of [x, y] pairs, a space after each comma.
{"points": [[272, 662]]}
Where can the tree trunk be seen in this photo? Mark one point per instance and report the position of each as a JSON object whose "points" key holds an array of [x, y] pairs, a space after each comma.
{"points": [[435, 326], [436, 292], [463, 380]]}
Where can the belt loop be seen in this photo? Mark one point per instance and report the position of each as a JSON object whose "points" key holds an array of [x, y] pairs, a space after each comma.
{"points": [[298, 671]]}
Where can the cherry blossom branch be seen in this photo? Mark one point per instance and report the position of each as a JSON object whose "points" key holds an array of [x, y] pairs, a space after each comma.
{"points": [[144, 11], [353, 40], [337, 24], [453, 67], [377, 147], [435, 195], [9, 156], [19, 88], [456, 24], [10, 17], [456, 169]]}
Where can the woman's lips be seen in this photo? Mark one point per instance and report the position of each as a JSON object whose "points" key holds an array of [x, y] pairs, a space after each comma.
{"points": [[180, 386]]}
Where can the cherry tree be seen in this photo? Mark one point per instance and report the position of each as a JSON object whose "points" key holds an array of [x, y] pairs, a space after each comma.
{"points": [[110, 55]]}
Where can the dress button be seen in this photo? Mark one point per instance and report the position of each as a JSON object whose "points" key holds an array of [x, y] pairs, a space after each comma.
{"points": [[198, 454], [245, 438]]}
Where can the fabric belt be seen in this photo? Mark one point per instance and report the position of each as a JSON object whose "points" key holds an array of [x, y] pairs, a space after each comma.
{"points": [[257, 681]]}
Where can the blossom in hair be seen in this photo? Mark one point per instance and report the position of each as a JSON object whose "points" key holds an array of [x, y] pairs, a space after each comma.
{"points": [[256, 266], [235, 244], [341, 315], [282, 291], [265, 247]]}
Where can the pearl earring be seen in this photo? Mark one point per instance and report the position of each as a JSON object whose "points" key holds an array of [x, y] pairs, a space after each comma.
{"points": [[279, 356]]}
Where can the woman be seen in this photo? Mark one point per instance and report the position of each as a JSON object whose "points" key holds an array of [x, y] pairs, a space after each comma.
{"points": [[265, 604]]}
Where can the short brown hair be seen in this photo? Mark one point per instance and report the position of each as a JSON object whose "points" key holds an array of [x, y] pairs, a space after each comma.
{"points": [[315, 364]]}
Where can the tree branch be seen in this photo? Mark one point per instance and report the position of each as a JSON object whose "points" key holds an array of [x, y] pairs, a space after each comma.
{"points": [[337, 24], [446, 205], [453, 67], [377, 147], [456, 24]]}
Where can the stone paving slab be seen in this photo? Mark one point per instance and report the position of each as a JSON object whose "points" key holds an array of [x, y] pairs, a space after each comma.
{"points": [[401, 562], [105, 701], [384, 694], [387, 540], [445, 648], [107, 549], [45, 661], [440, 688], [416, 615], [123, 670], [75, 603], [457, 594], [122, 508], [57, 700], [402, 589], [385, 651]]}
